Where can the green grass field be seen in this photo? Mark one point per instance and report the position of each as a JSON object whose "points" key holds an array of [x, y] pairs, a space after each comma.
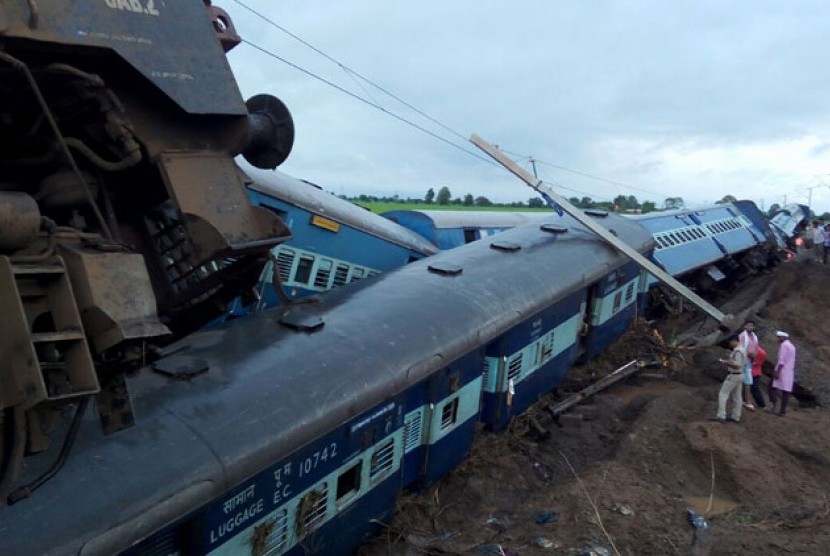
{"points": [[385, 207]]}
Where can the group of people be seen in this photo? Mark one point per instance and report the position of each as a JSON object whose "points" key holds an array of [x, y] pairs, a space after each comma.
{"points": [[744, 366], [820, 238]]}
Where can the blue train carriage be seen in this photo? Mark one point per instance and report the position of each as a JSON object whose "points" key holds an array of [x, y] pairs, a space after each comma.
{"points": [[788, 222], [295, 429], [711, 245], [334, 242], [450, 228]]}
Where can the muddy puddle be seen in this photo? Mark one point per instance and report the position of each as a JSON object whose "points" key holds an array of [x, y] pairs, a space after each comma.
{"points": [[707, 508]]}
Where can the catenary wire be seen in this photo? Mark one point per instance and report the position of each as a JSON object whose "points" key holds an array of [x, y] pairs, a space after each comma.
{"points": [[350, 71], [368, 102]]}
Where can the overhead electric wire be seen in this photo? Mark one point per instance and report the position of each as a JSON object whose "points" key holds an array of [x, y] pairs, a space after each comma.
{"points": [[368, 102], [347, 69], [356, 76]]}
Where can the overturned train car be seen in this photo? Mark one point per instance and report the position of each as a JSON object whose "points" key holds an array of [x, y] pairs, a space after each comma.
{"points": [[124, 222], [296, 429]]}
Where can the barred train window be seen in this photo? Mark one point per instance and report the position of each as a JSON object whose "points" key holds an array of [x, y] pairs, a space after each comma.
{"points": [[311, 510], [383, 459], [514, 367], [271, 537], [412, 431], [449, 414], [321, 279]]}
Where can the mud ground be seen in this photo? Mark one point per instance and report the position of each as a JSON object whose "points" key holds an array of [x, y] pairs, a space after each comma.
{"points": [[619, 472]]}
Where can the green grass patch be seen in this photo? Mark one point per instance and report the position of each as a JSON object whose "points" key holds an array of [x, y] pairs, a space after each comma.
{"points": [[738, 517], [386, 207]]}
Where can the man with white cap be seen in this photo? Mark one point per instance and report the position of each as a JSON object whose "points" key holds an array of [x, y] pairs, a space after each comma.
{"points": [[784, 374]]}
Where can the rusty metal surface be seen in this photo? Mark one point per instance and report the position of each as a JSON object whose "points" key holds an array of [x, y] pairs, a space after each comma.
{"points": [[114, 294], [19, 220], [212, 198], [172, 44]]}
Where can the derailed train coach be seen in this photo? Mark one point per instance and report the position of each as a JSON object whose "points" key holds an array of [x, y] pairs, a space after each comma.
{"points": [[707, 248], [294, 430], [333, 241]]}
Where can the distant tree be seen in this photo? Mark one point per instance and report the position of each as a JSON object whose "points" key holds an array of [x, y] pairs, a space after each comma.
{"points": [[483, 202], [430, 196], [535, 202], [574, 201], [468, 200], [775, 207], [825, 216], [633, 203], [620, 202], [673, 203], [444, 196], [456, 201], [647, 207], [586, 203], [726, 199]]}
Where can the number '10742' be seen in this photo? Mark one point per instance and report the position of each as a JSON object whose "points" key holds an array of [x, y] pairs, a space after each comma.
{"points": [[147, 7]]}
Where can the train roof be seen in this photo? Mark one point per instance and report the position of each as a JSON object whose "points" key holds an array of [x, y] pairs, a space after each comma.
{"points": [[470, 218], [272, 388], [312, 198]]}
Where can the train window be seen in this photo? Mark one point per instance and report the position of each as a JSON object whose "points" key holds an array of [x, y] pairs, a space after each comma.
{"points": [[629, 293], [382, 460], [449, 414], [311, 511], [285, 260], [546, 348], [470, 235], [340, 275], [357, 274], [304, 269], [412, 431], [662, 241], [514, 367], [321, 278], [348, 483], [273, 534], [617, 303]]}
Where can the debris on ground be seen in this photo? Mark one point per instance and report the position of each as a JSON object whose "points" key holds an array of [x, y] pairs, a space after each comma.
{"points": [[762, 485]]}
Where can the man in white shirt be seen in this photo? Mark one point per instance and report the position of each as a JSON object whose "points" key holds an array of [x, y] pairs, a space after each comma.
{"points": [[749, 341]]}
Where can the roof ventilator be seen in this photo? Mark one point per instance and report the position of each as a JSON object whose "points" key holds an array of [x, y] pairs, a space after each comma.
{"points": [[507, 246], [553, 228], [445, 269]]}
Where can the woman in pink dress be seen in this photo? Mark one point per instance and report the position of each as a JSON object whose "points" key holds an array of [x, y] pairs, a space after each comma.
{"points": [[784, 374]]}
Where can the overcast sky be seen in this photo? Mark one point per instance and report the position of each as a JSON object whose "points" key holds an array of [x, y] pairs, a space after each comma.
{"points": [[695, 99]]}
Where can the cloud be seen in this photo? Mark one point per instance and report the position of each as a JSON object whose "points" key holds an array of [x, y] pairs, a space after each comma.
{"points": [[667, 97]]}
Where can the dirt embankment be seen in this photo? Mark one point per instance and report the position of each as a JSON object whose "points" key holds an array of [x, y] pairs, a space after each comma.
{"points": [[620, 473]]}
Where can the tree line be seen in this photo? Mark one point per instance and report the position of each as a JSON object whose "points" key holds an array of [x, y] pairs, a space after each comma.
{"points": [[620, 203]]}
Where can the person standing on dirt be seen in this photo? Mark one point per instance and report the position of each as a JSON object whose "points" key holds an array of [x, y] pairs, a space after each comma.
{"points": [[784, 374], [731, 387], [818, 240], [757, 364], [826, 243], [749, 341]]}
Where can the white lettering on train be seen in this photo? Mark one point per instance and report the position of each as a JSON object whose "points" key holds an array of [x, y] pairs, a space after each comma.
{"points": [[245, 496], [227, 527], [148, 7]]}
